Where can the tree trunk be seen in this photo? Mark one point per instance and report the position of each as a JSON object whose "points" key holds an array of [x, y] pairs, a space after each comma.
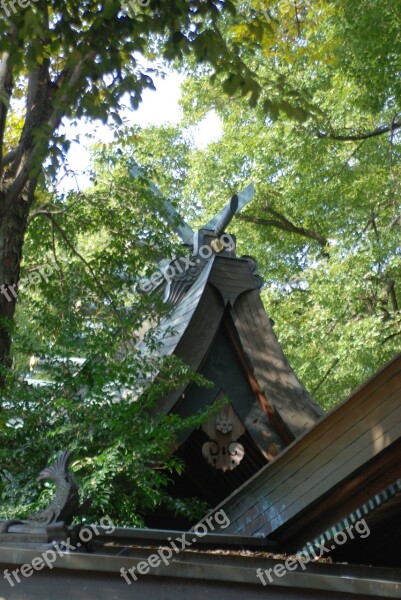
{"points": [[12, 231]]}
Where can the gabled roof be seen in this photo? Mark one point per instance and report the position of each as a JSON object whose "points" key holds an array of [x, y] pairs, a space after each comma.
{"points": [[211, 289], [226, 294], [218, 326]]}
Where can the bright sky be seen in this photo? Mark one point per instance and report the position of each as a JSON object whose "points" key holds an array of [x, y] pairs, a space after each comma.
{"points": [[158, 107]]}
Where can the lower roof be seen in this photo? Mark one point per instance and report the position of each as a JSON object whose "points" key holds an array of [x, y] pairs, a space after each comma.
{"points": [[204, 571], [347, 458], [205, 568]]}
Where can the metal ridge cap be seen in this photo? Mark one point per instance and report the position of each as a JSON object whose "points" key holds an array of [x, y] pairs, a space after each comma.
{"points": [[209, 539]]}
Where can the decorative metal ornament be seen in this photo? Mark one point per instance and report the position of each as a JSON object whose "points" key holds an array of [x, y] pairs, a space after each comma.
{"points": [[53, 522], [223, 452], [65, 502], [223, 424], [181, 277]]}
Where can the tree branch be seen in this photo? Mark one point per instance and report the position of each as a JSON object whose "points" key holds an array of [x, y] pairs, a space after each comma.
{"points": [[355, 137], [325, 376], [43, 210], [8, 158], [91, 271], [39, 149], [281, 222], [37, 109], [391, 336], [6, 85], [390, 291], [54, 250], [297, 19]]}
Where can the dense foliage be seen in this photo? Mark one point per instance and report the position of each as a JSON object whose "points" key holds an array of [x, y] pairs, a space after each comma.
{"points": [[78, 381]]}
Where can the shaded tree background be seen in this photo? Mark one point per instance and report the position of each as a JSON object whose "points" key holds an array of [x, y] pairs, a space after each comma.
{"points": [[309, 99]]}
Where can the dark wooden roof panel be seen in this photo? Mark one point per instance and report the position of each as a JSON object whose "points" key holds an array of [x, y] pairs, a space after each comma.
{"points": [[271, 368], [173, 326]]}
